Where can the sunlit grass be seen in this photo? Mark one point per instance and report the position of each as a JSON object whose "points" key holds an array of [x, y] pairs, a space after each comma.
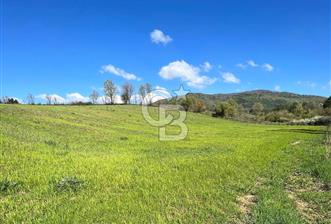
{"points": [[113, 168]]}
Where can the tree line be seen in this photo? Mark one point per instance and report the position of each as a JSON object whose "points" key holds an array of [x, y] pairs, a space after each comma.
{"points": [[110, 91], [230, 109]]}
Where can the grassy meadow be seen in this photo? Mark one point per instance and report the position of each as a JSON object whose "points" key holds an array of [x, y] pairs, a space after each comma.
{"points": [[105, 164]]}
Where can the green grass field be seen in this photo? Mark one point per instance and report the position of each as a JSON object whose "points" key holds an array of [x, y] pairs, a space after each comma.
{"points": [[103, 164]]}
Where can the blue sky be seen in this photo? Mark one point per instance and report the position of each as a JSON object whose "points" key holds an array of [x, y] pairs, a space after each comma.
{"points": [[65, 46]]}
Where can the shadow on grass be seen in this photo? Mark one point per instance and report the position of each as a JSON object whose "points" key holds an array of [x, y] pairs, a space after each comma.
{"points": [[300, 130]]}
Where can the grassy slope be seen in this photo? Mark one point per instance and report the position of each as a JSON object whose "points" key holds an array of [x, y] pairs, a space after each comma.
{"points": [[129, 176]]}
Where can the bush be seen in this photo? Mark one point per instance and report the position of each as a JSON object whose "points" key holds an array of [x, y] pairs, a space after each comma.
{"points": [[228, 109], [246, 117], [81, 103], [273, 117], [199, 106], [327, 103], [318, 120], [7, 100], [257, 109], [327, 111]]}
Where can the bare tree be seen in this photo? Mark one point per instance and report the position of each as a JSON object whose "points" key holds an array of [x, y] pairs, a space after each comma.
{"points": [[94, 96], [148, 91], [145, 90], [130, 92], [49, 99], [30, 99], [148, 88], [110, 90], [135, 98], [5, 99], [142, 92], [55, 100], [127, 91]]}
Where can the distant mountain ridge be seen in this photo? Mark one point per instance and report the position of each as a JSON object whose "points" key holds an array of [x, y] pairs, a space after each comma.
{"points": [[270, 99]]}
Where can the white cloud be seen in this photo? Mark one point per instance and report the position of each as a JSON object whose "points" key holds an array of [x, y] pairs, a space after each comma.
{"points": [[308, 84], [249, 63], [252, 63], [267, 67], [157, 36], [59, 99], [105, 99], [135, 99], [187, 73], [229, 77], [242, 66], [118, 99], [18, 99], [277, 88], [76, 97], [159, 93], [206, 66], [160, 88], [55, 98], [119, 72], [102, 100]]}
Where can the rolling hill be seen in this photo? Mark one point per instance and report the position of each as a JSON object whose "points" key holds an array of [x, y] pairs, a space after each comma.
{"points": [[270, 99]]}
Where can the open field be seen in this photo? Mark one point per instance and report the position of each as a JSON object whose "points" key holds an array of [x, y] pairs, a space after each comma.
{"points": [[102, 164]]}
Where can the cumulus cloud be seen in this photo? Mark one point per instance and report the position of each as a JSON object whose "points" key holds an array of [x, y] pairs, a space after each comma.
{"points": [[229, 77], [277, 88], [70, 98], [159, 93], [119, 72], [135, 99], [76, 97], [118, 99], [157, 36], [55, 98], [103, 100], [187, 73], [267, 67], [160, 88], [19, 100], [106, 99], [206, 66]]}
